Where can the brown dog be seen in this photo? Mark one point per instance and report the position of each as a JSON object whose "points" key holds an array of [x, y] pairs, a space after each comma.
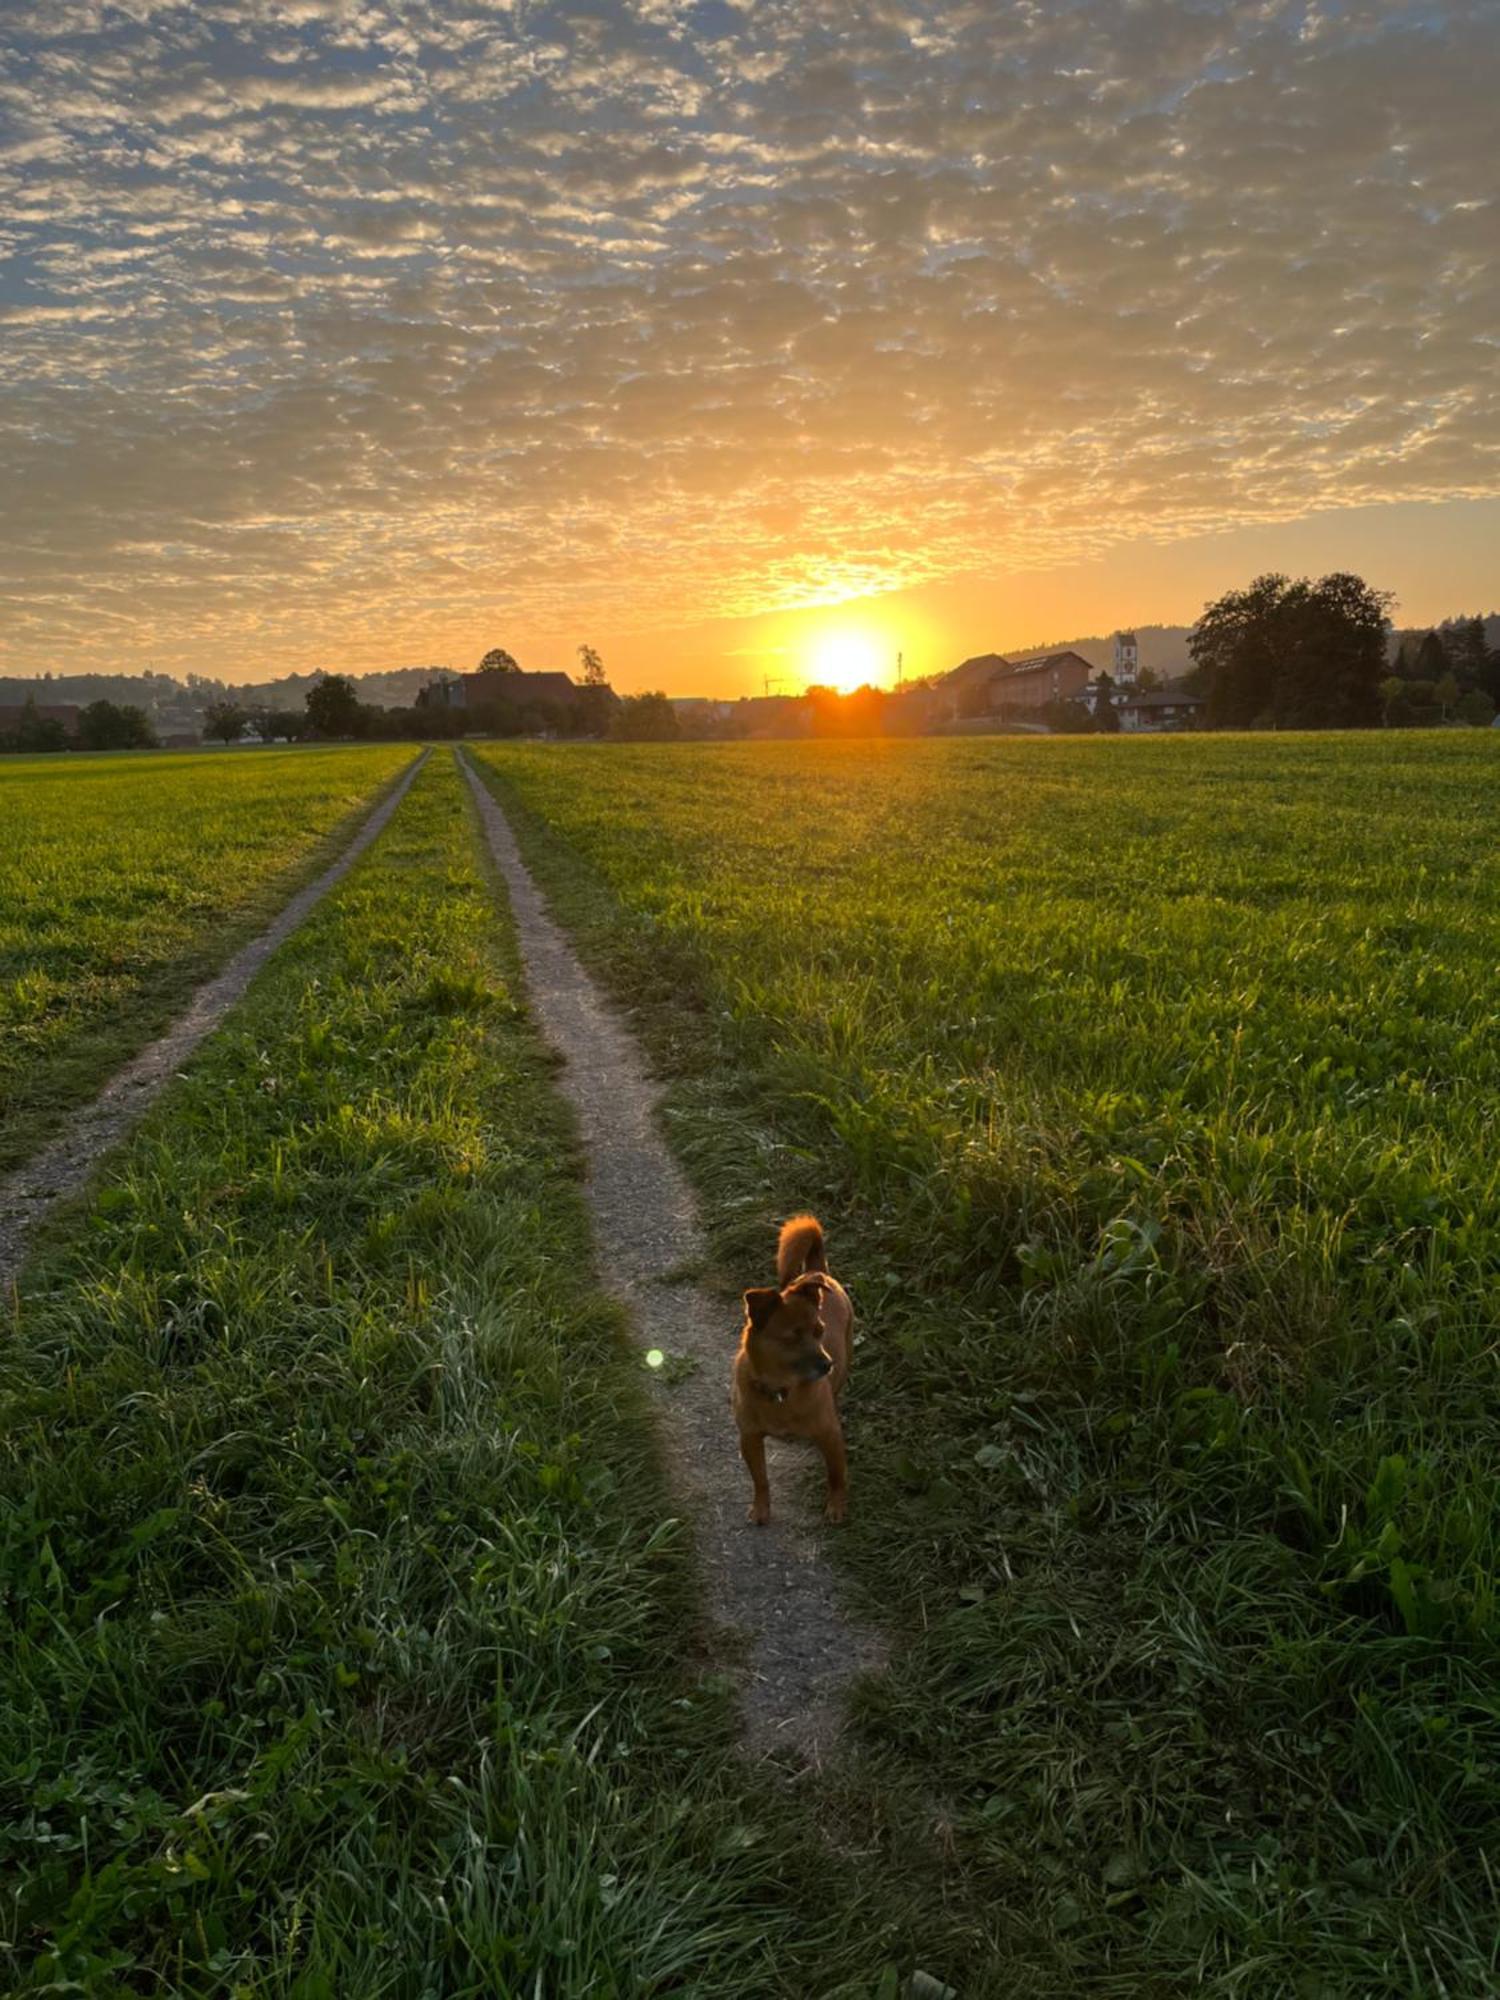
{"points": [[792, 1363]]}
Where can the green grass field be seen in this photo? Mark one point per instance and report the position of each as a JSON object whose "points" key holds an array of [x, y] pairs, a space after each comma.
{"points": [[124, 881], [348, 1643], [1149, 1089]]}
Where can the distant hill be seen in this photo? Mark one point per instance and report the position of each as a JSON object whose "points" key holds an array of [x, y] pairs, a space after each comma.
{"points": [[1163, 648], [397, 688], [178, 703], [143, 690]]}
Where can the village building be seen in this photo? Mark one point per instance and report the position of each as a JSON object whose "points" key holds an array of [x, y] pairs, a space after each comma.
{"points": [[964, 689], [534, 695], [1030, 684], [994, 688], [1016, 693], [1161, 710]]}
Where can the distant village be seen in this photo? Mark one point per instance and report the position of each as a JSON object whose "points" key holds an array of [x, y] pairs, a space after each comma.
{"points": [[1449, 676], [1032, 694]]}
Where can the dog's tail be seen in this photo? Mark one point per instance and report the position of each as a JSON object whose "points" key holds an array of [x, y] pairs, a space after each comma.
{"points": [[799, 1248]]}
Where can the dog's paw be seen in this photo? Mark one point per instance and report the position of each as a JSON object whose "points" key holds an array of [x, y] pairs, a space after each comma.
{"points": [[836, 1507], [758, 1513]]}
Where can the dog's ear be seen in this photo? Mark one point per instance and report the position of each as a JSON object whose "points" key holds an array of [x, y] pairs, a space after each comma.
{"points": [[812, 1285], [760, 1302]]}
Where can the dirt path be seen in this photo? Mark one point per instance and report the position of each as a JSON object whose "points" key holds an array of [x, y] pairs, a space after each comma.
{"points": [[772, 1588], [65, 1163]]}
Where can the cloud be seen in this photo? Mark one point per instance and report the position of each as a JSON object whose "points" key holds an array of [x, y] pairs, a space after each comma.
{"points": [[332, 324]]}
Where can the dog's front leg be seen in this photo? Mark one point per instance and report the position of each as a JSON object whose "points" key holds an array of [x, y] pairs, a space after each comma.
{"points": [[836, 1459], [753, 1451]]}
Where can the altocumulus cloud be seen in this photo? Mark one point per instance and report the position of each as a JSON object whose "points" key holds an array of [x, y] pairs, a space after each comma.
{"points": [[332, 316]]}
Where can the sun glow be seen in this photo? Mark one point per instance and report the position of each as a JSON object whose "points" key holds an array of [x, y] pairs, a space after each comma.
{"points": [[846, 659]]}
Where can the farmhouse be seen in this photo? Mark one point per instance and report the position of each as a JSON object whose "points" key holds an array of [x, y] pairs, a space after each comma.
{"points": [[992, 686], [1027, 685], [520, 692], [964, 690]]}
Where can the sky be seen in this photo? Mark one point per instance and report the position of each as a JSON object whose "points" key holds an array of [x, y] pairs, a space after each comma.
{"points": [[749, 341]]}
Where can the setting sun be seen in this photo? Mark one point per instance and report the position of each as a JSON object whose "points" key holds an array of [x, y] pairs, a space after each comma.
{"points": [[846, 660]]}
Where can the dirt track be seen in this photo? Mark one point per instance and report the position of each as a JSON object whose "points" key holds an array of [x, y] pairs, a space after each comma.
{"points": [[63, 1165], [772, 1589]]}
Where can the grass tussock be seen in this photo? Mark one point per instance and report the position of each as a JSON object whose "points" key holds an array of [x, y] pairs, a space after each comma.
{"points": [[1148, 1091]]}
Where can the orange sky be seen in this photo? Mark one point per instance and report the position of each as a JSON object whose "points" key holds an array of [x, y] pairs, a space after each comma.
{"points": [[361, 337], [1439, 559]]}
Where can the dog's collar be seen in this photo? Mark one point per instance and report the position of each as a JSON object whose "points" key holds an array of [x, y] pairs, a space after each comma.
{"points": [[776, 1395]]}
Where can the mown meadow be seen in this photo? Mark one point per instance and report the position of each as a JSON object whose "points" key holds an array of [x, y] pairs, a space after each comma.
{"points": [[125, 881], [1149, 1089], [347, 1644]]}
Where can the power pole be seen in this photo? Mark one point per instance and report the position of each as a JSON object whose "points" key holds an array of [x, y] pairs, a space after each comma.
{"points": [[900, 659]]}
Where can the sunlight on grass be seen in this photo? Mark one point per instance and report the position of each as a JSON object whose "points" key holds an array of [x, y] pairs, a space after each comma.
{"points": [[1146, 1090]]}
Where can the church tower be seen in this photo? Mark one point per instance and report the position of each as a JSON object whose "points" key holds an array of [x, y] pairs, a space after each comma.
{"points": [[1127, 660]]}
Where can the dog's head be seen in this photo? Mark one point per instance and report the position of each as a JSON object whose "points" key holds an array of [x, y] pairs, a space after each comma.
{"points": [[784, 1331]]}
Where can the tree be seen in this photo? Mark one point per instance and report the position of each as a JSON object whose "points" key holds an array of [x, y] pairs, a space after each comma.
{"points": [[646, 718], [1335, 655], [35, 731], [498, 661], [593, 667], [490, 718], [1431, 662], [1065, 717], [1106, 715], [1234, 648], [333, 707], [107, 725], [1447, 693], [1399, 710], [1147, 681], [1475, 707], [225, 721], [595, 709], [278, 725], [1469, 652], [861, 712], [1423, 695], [1297, 654]]}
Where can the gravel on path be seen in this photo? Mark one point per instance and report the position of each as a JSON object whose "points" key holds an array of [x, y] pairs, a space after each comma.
{"points": [[790, 1644]]}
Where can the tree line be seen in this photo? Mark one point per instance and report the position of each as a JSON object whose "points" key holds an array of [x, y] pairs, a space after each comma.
{"points": [[102, 725], [1445, 676], [1285, 653], [1290, 653]]}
